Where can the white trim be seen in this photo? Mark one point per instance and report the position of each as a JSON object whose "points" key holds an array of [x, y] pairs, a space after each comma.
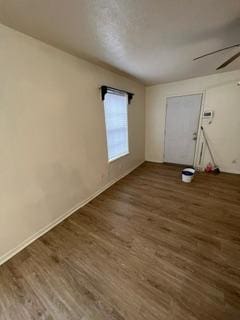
{"points": [[119, 156], [55, 222], [231, 171]]}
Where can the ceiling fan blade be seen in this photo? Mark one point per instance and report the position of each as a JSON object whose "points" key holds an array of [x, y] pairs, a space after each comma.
{"points": [[210, 53], [229, 61]]}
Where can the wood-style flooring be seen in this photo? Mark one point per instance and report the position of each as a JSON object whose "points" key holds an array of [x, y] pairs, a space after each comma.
{"points": [[150, 247]]}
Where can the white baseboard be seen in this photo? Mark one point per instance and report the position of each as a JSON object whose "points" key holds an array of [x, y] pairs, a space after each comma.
{"points": [[231, 171], [223, 170], [154, 160], [55, 222]]}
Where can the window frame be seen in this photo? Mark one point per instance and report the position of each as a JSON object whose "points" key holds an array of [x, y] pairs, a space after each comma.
{"points": [[120, 156], [110, 160]]}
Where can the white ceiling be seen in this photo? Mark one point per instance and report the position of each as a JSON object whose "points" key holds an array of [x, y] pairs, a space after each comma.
{"points": [[151, 40]]}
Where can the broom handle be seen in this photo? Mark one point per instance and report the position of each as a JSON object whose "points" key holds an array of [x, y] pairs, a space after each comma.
{"points": [[205, 138]]}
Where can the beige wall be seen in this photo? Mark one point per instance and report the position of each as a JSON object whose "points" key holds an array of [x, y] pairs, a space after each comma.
{"points": [[53, 146], [222, 95]]}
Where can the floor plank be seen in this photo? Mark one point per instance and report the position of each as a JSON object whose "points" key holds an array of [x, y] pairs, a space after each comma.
{"points": [[150, 247]]}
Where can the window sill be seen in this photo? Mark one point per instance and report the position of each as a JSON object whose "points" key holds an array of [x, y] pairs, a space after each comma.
{"points": [[118, 157]]}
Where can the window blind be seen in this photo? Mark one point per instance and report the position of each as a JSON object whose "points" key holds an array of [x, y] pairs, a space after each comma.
{"points": [[116, 121]]}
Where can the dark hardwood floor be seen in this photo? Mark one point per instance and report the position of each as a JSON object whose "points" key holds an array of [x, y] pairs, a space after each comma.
{"points": [[150, 247]]}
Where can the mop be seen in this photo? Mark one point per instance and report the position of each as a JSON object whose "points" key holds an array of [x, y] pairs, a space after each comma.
{"points": [[216, 169]]}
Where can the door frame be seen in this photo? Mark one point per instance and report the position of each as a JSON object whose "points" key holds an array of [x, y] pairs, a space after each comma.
{"points": [[181, 94]]}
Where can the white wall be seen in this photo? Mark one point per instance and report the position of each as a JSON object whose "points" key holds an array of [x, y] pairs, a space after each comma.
{"points": [[221, 94], [53, 153]]}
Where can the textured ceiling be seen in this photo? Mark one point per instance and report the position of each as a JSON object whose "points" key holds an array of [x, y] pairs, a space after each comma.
{"points": [[151, 40]]}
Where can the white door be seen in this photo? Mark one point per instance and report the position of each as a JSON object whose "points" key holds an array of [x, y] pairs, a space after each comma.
{"points": [[181, 128]]}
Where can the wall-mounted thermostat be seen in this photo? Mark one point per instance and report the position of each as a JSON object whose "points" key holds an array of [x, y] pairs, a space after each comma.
{"points": [[208, 114]]}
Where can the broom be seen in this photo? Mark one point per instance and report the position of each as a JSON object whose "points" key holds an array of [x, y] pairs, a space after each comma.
{"points": [[216, 169]]}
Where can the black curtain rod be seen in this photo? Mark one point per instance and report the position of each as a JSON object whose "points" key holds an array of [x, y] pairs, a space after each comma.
{"points": [[105, 89]]}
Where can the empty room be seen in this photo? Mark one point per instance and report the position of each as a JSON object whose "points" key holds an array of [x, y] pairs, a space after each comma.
{"points": [[120, 160]]}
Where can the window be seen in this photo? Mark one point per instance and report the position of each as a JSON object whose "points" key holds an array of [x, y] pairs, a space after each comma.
{"points": [[116, 120]]}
